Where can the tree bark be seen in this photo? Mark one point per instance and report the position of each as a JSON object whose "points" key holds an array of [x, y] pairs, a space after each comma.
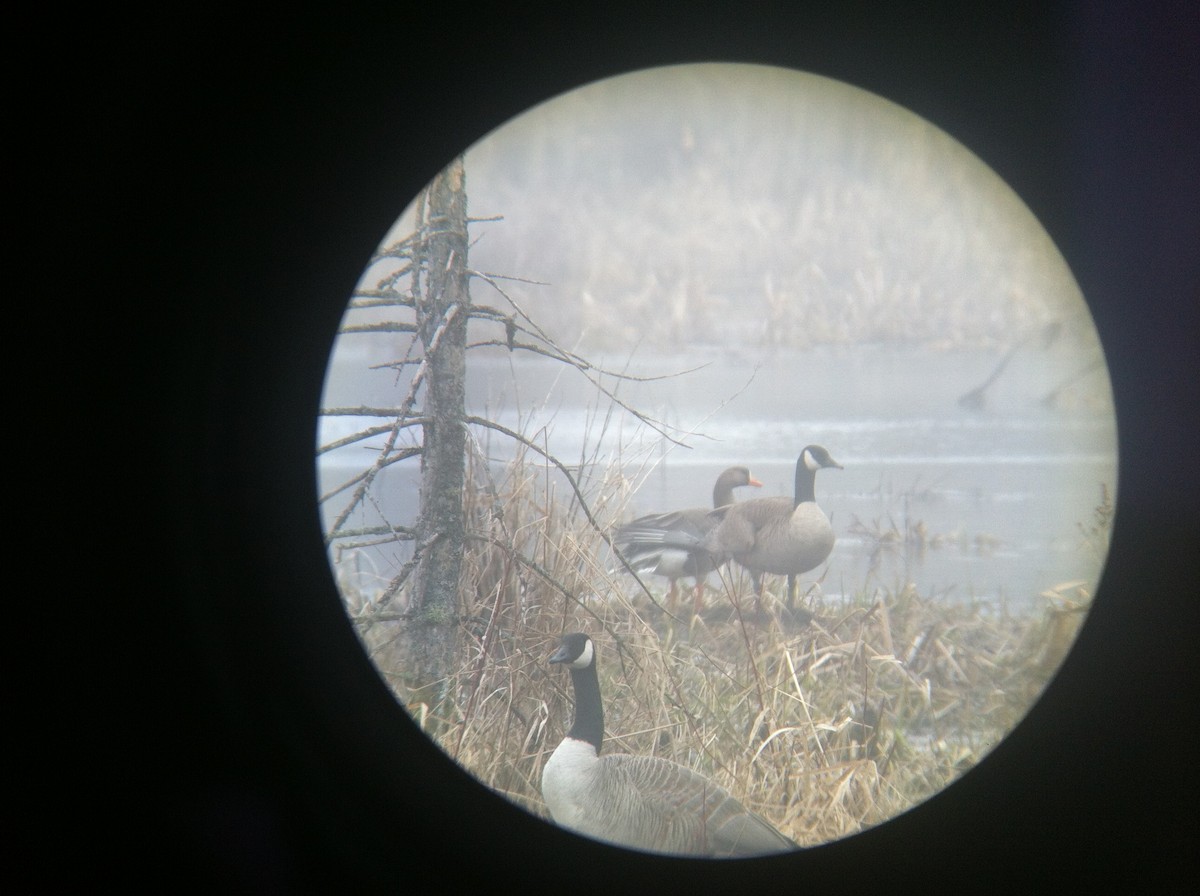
{"points": [[442, 326]]}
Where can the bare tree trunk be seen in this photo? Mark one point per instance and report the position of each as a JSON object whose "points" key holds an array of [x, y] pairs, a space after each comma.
{"points": [[427, 271], [442, 326]]}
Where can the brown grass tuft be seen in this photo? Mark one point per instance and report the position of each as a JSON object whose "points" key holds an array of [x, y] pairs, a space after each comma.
{"points": [[826, 724]]}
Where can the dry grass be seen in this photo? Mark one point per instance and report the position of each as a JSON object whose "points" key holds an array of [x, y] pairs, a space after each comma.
{"points": [[826, 724]]}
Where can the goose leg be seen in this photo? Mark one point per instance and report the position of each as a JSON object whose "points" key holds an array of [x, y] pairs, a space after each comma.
{"points": [[758, 589], [699, 597], [791, 592]]}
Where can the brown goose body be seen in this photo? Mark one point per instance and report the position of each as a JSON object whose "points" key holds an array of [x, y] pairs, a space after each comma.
{"points": [[781, 536], [778, 535], [775, 535], [674, 563]]}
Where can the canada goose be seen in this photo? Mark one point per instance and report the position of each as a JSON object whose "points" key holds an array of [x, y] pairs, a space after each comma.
{"points": [[779, 535], [640, 802], [675, 563]]}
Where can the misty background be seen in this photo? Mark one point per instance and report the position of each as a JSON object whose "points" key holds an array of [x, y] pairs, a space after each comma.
{"points": [[827, 268]]}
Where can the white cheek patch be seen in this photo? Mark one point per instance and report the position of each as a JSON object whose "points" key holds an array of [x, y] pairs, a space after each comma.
{"points": [[584, 659], [809, 462]]}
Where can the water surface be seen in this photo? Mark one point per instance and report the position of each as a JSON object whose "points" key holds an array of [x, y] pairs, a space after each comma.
{"points": [[1002, 494]]}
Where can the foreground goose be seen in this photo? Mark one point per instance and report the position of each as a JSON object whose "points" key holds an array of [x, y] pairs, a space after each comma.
{"points": [[780, 535], [640, 802], [673, 562]]}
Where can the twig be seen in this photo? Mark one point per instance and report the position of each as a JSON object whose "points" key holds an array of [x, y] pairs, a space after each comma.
{"points": [[386, 326], [581, 364], [583, 505]]}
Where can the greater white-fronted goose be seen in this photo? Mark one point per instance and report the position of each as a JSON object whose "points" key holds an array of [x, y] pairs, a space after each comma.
{"points": [[640, 802], [675, 563]]}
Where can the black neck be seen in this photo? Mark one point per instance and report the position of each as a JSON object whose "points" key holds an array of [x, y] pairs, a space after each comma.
{"points": [[589, 710], [805, 480]]}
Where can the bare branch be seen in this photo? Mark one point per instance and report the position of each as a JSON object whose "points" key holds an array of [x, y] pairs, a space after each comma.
{"points": [[557, 355], [386, 326], [451, 313], [401, 533], [402, 248], [399, 579], [491, 278], [366, 411], [402, 421], [395, 365], [585, 367], [379, 298], [398, 456], [356, 437]]}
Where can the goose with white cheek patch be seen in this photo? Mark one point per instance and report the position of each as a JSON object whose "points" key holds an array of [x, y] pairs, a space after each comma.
{"points": [[640, 802]]}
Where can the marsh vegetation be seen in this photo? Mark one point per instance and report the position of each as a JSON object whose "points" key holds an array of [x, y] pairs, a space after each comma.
{"points": [[736, 279], [826, 721]]}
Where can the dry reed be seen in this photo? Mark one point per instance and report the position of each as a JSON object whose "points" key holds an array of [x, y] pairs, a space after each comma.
{"points": [[825, 723]]}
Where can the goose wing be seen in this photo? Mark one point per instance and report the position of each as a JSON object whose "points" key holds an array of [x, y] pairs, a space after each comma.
{"points": [[739, 525], [694, 520], [666, 543], [656, 804]]}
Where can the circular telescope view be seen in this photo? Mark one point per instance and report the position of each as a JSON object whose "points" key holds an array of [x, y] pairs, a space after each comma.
{"points": [[717, 460]]}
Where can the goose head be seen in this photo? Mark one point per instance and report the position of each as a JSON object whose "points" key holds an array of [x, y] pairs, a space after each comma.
{"points": [[734, 477], [814, 457], [576, 651]]}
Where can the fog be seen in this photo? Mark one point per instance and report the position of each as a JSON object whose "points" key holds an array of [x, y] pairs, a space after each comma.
{"points": [[827, 268]]}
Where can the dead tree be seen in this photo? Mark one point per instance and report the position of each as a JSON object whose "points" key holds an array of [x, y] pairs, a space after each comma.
{"points": [[430, 285], [441, 316]]}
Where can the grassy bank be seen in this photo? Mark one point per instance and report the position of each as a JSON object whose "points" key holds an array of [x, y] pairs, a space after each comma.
{"points": [[826, 720]]}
